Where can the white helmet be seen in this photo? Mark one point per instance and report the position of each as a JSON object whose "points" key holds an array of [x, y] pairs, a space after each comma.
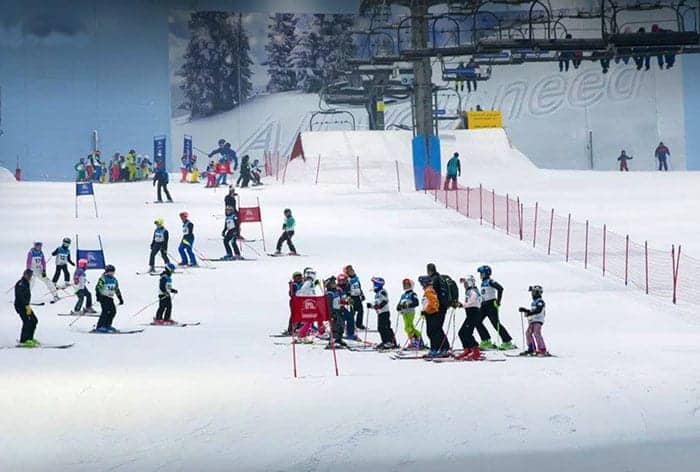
{"points": [[310, 273], [470, 281]]}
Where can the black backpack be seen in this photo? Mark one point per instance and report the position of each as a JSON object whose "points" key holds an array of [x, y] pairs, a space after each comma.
{"points": [[452, 291]]}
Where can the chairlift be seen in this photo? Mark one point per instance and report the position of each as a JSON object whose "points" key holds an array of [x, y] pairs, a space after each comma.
{"points": [[332, 117], [463, 72]]}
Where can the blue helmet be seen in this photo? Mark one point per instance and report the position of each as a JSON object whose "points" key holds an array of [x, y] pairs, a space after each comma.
{"points": [[378, 283], [170, 267], [484, 270], [425, 280]]}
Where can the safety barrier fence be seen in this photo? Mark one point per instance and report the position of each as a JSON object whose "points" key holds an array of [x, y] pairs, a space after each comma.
{"points": [[669, 274]]}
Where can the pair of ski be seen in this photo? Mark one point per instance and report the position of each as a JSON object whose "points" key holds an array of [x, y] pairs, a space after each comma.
{"points": [[84, 315], [158, 202], [176, 324], [288, 254], [225, 259], [414, 355], [40, 346]]}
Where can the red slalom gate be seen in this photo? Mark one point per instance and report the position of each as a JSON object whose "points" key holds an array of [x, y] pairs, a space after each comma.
{"points": [[253, 215], [311, 309]]}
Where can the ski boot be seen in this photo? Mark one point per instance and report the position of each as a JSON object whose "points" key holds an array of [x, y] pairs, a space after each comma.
{"points": [[542, 353], [77, 313], [102, 329], [507, 346], [28, 344], [237, 258], [277, 253], [474, 354], [486, 344], [227, 257], [89, 310], [169, 322], [529, 352], [157, 321], [151, 270], [111, 329], [462, 355]]}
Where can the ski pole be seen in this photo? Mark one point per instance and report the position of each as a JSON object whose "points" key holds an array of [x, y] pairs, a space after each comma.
{"points": [[396, 330], [254, 250], [144, 308], [522, 327]]}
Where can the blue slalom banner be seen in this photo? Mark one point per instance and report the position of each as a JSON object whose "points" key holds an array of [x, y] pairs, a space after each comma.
{"points": [[159, 151]]}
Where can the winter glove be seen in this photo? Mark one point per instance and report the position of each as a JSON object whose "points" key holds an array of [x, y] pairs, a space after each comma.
{"points": [[369, 305], [173, 290], [43, 274], [523, 310], [456, 304], [27, 310], [461, 305], [223, 234], [497, 304], [121, 300]]}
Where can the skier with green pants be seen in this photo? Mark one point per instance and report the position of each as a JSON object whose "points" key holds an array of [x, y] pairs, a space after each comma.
{"points": [[407, 309]]}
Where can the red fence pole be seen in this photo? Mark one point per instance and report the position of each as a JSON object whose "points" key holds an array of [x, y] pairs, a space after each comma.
{"points": [[627, 257], [358, 171], [457, 199], [398, 177], [507, 214], [605, 239], [468, 198], [585, 255], [493, 208], [520, 218], [551, 223], [318, 168], [481, 205], [294, 357], [534, 230], [446, 197], [568, 236], [646, 267]]}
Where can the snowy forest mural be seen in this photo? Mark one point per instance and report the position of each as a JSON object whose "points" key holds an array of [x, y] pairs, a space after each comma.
{"points": [[226, 60]]}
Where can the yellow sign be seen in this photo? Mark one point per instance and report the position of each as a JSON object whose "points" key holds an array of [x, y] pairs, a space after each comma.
{"points": [[484, 119], [380, 106]]}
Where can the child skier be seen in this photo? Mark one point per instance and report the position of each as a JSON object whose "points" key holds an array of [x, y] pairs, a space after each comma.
{"points": [[80, 170], [80, 282], [165, 302], [622, 159], [211, 174], [472, 302], [348, 319], [381, 306], [287, 233], [230, 233], [107, 287], [535, 319], [491, 295], [407, 309], [37, 263], [334, 296], [62, 254], [357, 296], [159, 244], [23, 296], [187, 243], [256, 173], [311, 287], [294, 286], [430, 306]]}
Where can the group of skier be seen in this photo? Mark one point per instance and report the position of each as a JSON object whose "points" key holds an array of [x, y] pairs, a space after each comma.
{"points": [[219, 168], [481, 300], [120, 168]]}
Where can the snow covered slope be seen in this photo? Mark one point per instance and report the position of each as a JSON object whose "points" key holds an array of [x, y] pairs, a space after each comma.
{"points": [[623, 395]]}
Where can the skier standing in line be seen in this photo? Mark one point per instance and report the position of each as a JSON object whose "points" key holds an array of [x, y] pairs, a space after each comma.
{"points": [[287, 233], [80, 281], [159, 244], [407, 309], [381, 306], [438, 338], [161, 177], [62, 254], [107, 288], [186, 248], [294, 285], [430, 308], [230, 233], [244, 177], [535, 319], [348, 319], [230, 198], [165, 302], [310, 287], [472, 302], [37, 263], [491, 296], [357, 296], [23, 296], [334, 299]]}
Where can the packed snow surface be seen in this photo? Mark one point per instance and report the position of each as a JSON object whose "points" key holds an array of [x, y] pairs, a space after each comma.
{"points": [[624, 393]]}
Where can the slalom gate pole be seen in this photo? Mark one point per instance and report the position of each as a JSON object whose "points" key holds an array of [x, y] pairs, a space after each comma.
{"points": [[522, 327], [366, 325], [144, 308], [294, 356], [454, 326], [335, 358], [262, 228]]}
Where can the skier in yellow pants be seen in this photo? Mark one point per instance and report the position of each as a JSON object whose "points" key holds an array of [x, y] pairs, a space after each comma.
{"points": [[407, 309]]}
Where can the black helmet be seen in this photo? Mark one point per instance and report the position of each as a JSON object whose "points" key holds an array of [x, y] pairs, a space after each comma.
{"points": [[222, 142], [109, 268], [66, 241], [536, 290], [484, 270], [287, 211]]}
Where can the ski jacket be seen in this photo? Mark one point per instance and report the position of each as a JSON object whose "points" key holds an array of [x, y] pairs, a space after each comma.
{"points": [[454, 167], [62, 254], [294, 288], [289, 224], [107, 286], [537, 311], [472, 298], [624, 158], [662, 152], [188, 231], [355, 286], [333, 297], [310, 289], [491, 290], [80, 278], [230, 223], [36, 261], [160, 176], [23, 294], [160, 237], [230, 201], [381, 301], [441, 290], [430, 304], [165, 285], [408, 303]]}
